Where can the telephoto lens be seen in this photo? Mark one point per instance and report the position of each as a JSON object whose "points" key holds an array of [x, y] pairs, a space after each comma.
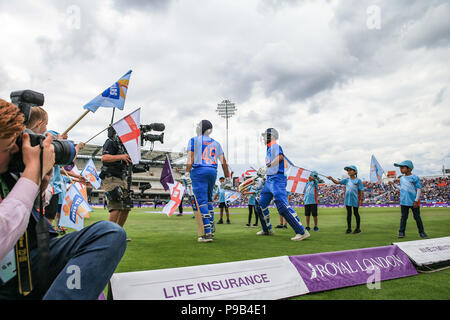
{"points": [[64, 151]]}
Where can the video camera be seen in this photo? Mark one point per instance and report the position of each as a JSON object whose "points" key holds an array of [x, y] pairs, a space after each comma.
{"points": [[152, 137], [127, 195], [64, 150]]}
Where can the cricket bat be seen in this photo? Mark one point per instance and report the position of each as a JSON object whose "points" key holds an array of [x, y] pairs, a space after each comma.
{"points": [[197, 214]]}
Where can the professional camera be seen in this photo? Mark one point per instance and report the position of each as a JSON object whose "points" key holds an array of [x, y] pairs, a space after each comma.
{"points": [[25, 100], [145, 186], [152, 137], [64, 150]]}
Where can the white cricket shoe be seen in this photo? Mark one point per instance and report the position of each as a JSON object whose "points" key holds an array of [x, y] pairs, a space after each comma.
{"points": [[204, 239], [262, 233], [299, 237]]}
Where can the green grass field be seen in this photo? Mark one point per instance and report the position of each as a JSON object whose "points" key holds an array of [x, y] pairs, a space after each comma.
{"points": [[158, 242]]}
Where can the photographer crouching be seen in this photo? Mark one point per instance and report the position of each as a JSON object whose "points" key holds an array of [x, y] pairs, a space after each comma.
{"points": [[115, 162], [47, 267]]}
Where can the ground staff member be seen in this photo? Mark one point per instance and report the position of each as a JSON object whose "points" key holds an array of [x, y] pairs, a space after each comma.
{"points": [[113, 175]]}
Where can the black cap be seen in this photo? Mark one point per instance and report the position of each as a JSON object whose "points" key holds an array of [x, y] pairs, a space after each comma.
{"points": [[205, 125]]}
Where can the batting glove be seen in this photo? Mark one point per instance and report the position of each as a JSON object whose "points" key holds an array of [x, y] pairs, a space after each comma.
{"points": [[262, 171], [187, 178]]}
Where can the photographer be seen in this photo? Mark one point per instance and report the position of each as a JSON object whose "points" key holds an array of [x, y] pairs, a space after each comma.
{"points": [[102, 242], [113, 174], [16, 205]]}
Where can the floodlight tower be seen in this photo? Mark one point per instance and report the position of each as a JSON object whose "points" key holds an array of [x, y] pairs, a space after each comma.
{"points": [[226, 109]]}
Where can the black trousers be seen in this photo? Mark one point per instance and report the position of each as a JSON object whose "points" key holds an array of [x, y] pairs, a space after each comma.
{"points": [[251, 209], [349, 217], [404, 218]]}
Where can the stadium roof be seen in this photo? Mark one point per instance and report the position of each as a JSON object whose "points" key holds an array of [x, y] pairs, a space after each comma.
{"points": [[155, 157]]}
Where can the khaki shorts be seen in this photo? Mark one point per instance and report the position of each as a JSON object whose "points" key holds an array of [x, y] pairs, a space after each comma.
{"points": [[109, 184]]}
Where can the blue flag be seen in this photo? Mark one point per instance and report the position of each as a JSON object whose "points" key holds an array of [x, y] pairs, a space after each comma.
{"points": [[91, 175], [113, 97], [231, 196], [376, 171]]}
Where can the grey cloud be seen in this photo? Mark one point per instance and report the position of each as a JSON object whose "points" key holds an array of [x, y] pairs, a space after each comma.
{"points": [[152, 5], [432, 30], [395, 27], [439, 96], [84, 42]]}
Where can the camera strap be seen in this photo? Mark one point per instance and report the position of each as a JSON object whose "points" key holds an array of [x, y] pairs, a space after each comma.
{"points": [[43, 240]]}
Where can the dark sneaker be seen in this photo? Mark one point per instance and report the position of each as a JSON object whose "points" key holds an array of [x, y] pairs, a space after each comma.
{"points": [[308, 228], [423, 235], [357, 231], [285, 226], [255, 225], [280, 226], [401, 235], [248, 224], [348, 231], [61, 231], [316, 229], [228, 222], [220, 221]]}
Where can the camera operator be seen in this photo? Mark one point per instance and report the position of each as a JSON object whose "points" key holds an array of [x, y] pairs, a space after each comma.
{"points": [[102, 242], [113, 174]]}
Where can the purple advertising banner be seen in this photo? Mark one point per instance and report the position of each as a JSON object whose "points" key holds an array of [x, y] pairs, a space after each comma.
{"points": [[331, 270]]}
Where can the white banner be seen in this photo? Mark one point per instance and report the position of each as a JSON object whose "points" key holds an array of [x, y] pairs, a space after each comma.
{"points": [[265, 279], [426, 252]]}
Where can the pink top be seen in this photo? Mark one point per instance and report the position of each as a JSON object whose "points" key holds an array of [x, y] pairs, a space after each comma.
{"points": [[15, 212]]}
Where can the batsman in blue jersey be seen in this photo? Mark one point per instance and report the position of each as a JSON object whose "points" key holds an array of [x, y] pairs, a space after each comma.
{"points": [[203, 154], [275, 188]]}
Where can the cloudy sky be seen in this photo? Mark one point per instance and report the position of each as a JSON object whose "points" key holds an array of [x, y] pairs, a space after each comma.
{"points": [[339, 80]]}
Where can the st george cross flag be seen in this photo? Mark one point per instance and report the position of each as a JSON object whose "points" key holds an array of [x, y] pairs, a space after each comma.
{"points": [[231, 196], [90, 174], [129, 131], [113, 97], [74, 209], [297, 179], [248, 173], [176, 194], [376, 172], [166, 174]]}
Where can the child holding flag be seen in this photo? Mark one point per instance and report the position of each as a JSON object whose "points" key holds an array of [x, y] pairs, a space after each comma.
{"points": [[252, 193], [353, 196], [410, 190], [311, 199], [220, 193]]}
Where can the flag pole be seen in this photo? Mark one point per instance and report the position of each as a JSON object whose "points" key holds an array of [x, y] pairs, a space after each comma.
{"points": [[75, 123], [112, 118], [96, 135]]}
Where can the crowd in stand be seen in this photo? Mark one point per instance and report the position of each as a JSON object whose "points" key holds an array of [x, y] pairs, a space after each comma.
{"points": [[434, 190]]}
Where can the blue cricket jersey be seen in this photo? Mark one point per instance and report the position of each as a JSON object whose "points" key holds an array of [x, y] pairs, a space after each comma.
{"points": [[273, 151], [221, 193], [408, 186], [206, 151], [352, 188], [311, 192]]}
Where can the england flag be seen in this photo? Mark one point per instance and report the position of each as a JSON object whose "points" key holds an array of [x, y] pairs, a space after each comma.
{"points": [[129, 131], [176, 194], [297, 179]]}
